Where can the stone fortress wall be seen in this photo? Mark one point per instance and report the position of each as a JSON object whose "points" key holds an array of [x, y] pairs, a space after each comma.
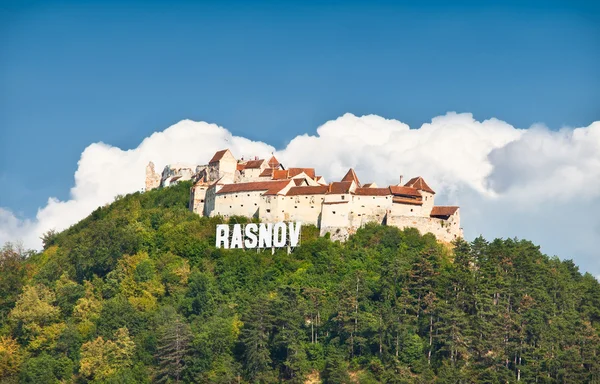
{"points": [[266, 190]]}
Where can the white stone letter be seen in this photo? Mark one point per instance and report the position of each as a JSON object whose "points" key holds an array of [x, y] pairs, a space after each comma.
{"points": [[222, 236], [251, 239], [265, 236], [236, 237], [295, 233], [279, 235]]}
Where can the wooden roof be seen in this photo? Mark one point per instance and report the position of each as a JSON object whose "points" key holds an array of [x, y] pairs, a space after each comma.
{"points": [[339, 187], [366, 191], [404, 191], [308, 190], [271, 187], [443, 212], [254, 164], [218, 156], [419, 183], [351, 176]]}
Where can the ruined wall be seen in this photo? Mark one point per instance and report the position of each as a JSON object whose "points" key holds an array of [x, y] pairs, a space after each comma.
{"points": [[444, 230], [152, 178], [197, 198]]}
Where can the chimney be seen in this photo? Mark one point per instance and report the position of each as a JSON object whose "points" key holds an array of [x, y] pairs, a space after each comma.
{"points": [[401, 180], [255, 157]]}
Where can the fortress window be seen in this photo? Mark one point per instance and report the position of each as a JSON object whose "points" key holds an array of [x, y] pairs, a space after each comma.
{"points": [[333, 212], [312, 206], [255, 204], [411, 209], [373, 197], [202, 200], [230, 206], [343, 197], [241, 205], [248, 194], [295, 206], [268, 211]]}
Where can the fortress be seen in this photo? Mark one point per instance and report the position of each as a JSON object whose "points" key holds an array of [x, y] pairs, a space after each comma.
{"points": [[265, 189]]}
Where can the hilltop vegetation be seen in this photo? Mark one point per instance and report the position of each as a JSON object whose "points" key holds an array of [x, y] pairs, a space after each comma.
{"points": [[137, 293]]}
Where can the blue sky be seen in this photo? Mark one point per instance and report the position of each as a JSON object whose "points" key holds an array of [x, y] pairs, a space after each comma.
{"points": [[72, 74]]}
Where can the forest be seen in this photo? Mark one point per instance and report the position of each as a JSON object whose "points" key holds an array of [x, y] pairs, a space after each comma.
{"points": [[137, 293]]}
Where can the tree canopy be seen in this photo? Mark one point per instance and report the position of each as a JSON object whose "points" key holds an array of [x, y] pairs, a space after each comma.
{"points": [[137, 293]]}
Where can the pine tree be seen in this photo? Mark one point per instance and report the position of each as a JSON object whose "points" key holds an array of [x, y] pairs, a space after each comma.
{"points": [[173, 345]]}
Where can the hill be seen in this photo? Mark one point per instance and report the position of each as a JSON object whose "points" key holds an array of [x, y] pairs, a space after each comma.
{"points": [[137, 293]]}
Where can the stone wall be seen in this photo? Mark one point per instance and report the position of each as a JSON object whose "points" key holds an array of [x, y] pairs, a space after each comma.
{"points": [[444, 230], [152, 178]]}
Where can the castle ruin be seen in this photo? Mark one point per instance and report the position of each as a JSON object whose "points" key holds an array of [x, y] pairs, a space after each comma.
{"points": [[264, 189]]}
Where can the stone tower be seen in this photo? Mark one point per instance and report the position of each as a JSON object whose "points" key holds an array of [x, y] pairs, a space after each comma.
{"points": [[152, 178]]}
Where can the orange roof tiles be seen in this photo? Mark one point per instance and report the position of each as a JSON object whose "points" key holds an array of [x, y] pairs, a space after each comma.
{"points": [[419, 183], [218, 156], [366, 191], [268, 172], [253, 164], [269, 186], [308, 190], [279, 174], [443, 212], [310, 172], [339, 187], [240, 166], [404, 191], [273, 162], [351, 176]]}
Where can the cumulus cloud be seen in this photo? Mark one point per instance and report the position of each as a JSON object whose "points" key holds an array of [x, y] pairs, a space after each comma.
{"points": [[532, 183]]}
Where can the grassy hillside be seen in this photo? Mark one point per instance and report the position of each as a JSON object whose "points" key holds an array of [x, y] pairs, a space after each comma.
{"points": [[137, 293]]}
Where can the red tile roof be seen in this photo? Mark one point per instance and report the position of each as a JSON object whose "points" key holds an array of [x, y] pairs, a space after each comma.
{"points": [[273, 162], [218, 156], [403, 200], [404, 191], [240, 166], [365, 191], [254, 164], [268, 172], [279, 174], [368, 185], [351, 176], [443, 212], [334, 202], [269, 186], [308, 190], [339, 187], [419, 183], [310, 172]]}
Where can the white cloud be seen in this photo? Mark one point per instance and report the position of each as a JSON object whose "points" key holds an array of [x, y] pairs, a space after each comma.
{"points": [[536, 184]]}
